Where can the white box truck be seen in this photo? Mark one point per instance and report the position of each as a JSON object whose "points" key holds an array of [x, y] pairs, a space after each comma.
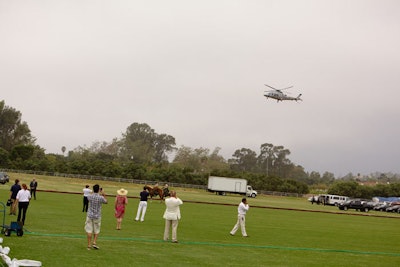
{"points": [[223, 185]]}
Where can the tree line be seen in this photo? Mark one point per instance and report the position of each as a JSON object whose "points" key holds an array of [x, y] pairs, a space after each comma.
{"points": [[142, 153]]}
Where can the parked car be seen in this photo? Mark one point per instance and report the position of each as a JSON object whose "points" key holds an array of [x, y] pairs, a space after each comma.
{"points": [[357, 204], [4, 178], [393, 208], [382, 206]]}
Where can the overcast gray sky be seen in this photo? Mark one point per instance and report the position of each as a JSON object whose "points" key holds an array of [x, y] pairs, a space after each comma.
{"points": [[83, 70]]}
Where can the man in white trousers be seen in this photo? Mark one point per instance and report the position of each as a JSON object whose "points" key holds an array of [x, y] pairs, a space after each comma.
{"points": [[241, 220], [172, 215], [142, 204]]}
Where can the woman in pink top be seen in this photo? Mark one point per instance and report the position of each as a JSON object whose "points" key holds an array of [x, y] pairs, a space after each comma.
{"points": [[120, 202]]}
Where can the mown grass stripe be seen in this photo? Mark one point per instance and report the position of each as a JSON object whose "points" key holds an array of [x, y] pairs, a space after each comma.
{"points": [[227, 244]]}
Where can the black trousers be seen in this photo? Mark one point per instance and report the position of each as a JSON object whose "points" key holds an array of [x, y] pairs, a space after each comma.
{"points": [[85, 204], [22, 208], [33, 193]]}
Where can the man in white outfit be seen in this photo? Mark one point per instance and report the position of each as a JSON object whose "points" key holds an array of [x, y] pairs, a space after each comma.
{"points": [[241, 221], [172, 215]]}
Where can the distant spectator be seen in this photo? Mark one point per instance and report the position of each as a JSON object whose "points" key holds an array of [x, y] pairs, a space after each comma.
{"points": [[166, 190], [13, 196], [86, 192], [33, 186]]}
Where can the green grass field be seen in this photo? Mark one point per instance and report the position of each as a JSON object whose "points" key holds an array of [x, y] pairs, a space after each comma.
{"points": [[55, 236]]}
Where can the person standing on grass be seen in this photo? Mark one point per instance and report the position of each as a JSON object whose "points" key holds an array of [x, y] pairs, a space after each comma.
{"points": [[13, 196], [120, 202], [165, 191], [86, 192], [93, 218], [142, 204], [23, 198], [172, 215], [241, 220], [33, 186]]}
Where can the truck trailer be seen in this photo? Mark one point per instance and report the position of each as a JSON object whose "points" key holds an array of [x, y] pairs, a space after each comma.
{"points": [[223, 185]]}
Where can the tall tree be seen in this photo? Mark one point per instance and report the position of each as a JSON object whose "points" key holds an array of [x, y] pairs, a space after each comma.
{"points": [[244, 160], [137, 143], [200, 159], [328, 178], [273, 160], [13, 131], [266, 158], [192, 159], [142, 144], [163, 144]]}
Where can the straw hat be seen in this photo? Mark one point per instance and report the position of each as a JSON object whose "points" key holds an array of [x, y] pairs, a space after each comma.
{"points": [[122, 192]]}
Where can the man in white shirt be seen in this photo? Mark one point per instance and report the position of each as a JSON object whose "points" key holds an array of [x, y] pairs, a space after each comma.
{"points": [[241, 221], [172, 215], [86, 192]]}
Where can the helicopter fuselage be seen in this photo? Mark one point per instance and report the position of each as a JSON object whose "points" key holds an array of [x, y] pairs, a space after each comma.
{"points": [[279, 96]]}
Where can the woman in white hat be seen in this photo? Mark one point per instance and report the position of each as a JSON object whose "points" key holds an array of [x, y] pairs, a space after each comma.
{"points": [[120, 202]]}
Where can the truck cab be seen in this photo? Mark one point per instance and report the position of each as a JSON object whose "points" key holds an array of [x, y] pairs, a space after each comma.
{"points": [[250, 192]]}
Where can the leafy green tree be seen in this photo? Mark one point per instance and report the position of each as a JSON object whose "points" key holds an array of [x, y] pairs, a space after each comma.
{"points": [[281, 161], [23, 152], [163, 144], [244, 160], [266, 158], [142, 144], [137, 143], [345, 188], [200, 160], [328, 178], [273, 160], [215, 161], [394, 189], [13, 131], [4, 158]]}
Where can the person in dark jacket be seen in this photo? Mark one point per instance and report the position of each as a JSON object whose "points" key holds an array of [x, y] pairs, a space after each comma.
{"points": [[33, 186], [13, 196]]}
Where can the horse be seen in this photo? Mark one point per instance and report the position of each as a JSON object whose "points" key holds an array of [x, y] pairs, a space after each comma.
{"points": [[154, 191]]}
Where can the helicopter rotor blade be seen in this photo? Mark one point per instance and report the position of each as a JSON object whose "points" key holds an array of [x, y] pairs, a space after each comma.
{"points": [[270, 87], [278, 89]]}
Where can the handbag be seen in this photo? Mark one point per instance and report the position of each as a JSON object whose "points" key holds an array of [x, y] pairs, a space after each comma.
{"points": [[9, 202]]}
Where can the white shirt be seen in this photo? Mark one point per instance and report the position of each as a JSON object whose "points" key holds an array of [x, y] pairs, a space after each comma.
{"points": [[23, 195], [243, 208], [86, 192]]}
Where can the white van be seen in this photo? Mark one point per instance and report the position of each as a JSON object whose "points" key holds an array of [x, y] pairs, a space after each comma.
{"points": [[335, 200]]}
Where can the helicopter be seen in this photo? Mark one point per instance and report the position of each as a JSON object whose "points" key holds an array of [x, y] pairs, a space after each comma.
{"points": [[279, 95]]}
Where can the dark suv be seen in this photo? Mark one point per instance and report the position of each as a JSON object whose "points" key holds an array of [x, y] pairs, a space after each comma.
{"points": [[4, 178], [357, 204]]}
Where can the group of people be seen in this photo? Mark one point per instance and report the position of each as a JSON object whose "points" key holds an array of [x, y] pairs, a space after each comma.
{"points": [[93, 202], [20, 196]]}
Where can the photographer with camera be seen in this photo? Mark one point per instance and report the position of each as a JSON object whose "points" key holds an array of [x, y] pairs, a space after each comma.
{"points": [[93, 219]]}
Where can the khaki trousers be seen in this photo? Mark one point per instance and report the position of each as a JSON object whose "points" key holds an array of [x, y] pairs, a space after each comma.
{"points": [[168, 224]]}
